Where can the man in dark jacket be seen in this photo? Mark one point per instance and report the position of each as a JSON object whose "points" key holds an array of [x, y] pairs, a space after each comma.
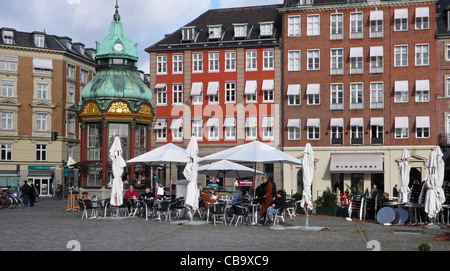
{"points": [[276, 207], [26, 193]]}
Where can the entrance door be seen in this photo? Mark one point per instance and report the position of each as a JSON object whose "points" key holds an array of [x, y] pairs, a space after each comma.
{"points": [[42, 186]]}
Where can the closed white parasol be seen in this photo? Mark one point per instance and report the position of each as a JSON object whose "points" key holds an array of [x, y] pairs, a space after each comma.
{"points": [[308, 174], [405, 168], [434, 180], [115, 153], [190, 173]]}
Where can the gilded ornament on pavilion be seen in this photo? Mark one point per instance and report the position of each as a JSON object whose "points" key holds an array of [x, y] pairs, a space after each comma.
{"points": [[145, 110], [91, 109], [119, 107]]}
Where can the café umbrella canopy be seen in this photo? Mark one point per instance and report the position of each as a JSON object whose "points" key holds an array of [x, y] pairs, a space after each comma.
{"points": [[405, 168], [190, 173], [434, 180], [225, 168], [308, 174], [118, 163]]}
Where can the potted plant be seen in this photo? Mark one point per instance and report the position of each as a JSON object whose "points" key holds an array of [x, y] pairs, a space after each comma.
{"points": [[326, 205]]}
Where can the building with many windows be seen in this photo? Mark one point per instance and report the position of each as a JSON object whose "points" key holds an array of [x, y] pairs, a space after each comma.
{"points": [[41, 77], [360, 86], [219, 78]]}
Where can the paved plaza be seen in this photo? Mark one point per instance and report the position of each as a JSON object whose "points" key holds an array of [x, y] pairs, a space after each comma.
{"points": [[48, 227]]}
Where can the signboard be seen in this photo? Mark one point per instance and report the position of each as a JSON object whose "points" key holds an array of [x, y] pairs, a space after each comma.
{"points": [[243, 183], [41, 167]]}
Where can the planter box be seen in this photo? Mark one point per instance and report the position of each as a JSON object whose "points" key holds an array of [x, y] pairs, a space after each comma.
{"points": [[332, 211]]}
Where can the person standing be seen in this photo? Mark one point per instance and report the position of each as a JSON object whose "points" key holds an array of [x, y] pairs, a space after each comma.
{"points": [[268, 197], [32, 194], [26, 189], [395, 192]]}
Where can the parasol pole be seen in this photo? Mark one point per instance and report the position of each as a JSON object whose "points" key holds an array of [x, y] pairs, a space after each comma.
{"points": [[254, 180], [170, 180]]}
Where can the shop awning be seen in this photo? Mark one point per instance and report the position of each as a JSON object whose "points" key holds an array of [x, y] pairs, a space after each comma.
{"points": [[356, 163]]}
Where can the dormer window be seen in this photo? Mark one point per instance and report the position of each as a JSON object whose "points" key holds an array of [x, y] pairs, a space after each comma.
{"points": [[69, 45], [39, 41], [214, 31], [189, 33], [8, 37], [240, 31], [266, 29]]}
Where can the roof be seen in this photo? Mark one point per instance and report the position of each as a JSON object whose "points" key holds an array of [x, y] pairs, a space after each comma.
{"points": [[53, 42], [252, 16]]}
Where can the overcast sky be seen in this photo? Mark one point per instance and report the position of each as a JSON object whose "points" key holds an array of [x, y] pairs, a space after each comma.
{"points": [[145, 21]]}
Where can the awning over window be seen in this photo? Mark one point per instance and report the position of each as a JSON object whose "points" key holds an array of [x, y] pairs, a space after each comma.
{"points": [[401, 86], [356, 52], [357, 122], [423, 122], [196, 89], [251, 122], [161, 86], [337, 123], [376, 51], [293, 90], [213, 122], [313, 123], [422, 85], [160, 124], [401, 122], [268, 122], [39, 63], [229, 122], [376, 121], [401, 13], [176, 124], [422, 12], [294, 123], [356, 163], [376, 15], [313, 89], [267, 85], [9, 58], [250, 87], [213, 88]]}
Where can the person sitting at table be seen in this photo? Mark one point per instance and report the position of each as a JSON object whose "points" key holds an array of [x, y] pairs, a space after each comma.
{"points": [[268, 197], [277, 205], [129, 195], [206, 198], [160, 191], [212, 193], [147, 194]]}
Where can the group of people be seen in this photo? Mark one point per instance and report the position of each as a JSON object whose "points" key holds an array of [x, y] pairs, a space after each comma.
{"points": [[131, 194], [28, 193]]}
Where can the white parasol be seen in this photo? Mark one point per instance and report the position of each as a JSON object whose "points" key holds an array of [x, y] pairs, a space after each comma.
{"points": [[225, 168], [405, 168], [190, 173], [115, 153], [308, 173], [434, 180]]}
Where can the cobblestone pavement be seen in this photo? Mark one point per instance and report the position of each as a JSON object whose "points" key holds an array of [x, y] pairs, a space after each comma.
{"points": [[48, 227]]}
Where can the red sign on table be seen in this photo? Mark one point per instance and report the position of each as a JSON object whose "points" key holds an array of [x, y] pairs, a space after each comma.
{"points": [[244, 183]]}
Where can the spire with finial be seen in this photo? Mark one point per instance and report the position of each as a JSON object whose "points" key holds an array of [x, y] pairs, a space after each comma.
{"points": [[116, 15]]}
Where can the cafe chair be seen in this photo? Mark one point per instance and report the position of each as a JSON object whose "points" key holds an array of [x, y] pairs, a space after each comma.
{"points": [[82, 208], [290, 207], [179, 208], [373, 204], [278, 216], [357, 206], [219, 212], [239, 212], [416, 200], [163, 208], [446, 204]]}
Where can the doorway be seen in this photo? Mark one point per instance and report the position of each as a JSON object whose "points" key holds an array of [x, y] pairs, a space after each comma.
{"points": [[42, 185]]}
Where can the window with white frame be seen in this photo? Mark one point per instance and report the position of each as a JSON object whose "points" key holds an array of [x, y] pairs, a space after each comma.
{"points": [[7, 88], [447, 86], [294, 26], [401, 127], [41, 152], [337, 96], [376, 24], [230, 61], [251, 125], [294, 60], [356, 60], [422, 91], [188, 33], [313, 126], [401, 92], [161, 94], [213, 129], [268, 90], [251, 60], [266, 29], [422, 55], [70, 71], [230, 92], [71, 93], [41, 121], [240, 30], [422, 18], [313, 25], [356, 25], [177, 94], [213, 58], [376, 59], [6, 151], [42, 91], [250, 91], [197, 128], [356, 96], [230, 128], [337, 131], [214, 32], [177, 63], [337, 61], [401, 56], [268, 59], [313, 94], [336, 26], [197, 62], [376, 95], [294, 129], [84, 76], [268, 128], [423, 127], [177, 129], [356, 134], [8, 63], [161, 129], [7, 120], [161, 62], [293, 94], [39, 41], [213, 92], [313, 60], [401, 19]]}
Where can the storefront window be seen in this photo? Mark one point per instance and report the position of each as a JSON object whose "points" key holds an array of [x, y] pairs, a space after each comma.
{"points": [[94, 142], [94, 176], [122, 131]]}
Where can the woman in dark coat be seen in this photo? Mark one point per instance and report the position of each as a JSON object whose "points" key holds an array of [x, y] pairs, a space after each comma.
{"points": [[268, 194]]}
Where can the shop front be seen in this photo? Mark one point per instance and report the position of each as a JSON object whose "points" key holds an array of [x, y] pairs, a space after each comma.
{"points": [[42, 178]]}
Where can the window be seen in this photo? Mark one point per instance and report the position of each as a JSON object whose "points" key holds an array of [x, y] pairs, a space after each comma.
{"points": [[161, 61], [71, 94], [8, 37], [268, 63], [447, 51], [422, 18], [376, 127], [337, 31], [197, 128], [376, 59], [401, 92], [7, 88], [376, 95], [188, 33], [422, 91], [423, 127], [230, 61], [213, 92], [356, 96], [401, 56], [337, 61], [251, 124], [161, 129], [356, 137], [140, 140], [70, 71], [376, 24], [401, 19], [313, 94], [5, 152], [250, 59], [356, 25], [177, 129], [213, 62], [177, 94], [337, 96], [447, 85], [313, 60], [161, 94], [401, 127], [293, 94], [41, 152], [230, 92], [294, 60], [266, 29], [213, 129], [42, 91], [230, 128], [177, 63], [268, 90], [294, 26], [337, 131], [356, 60], [268, 128], [197, 62], [41, 121], [313, 126], [313, 25], [7, 120], [39, 41], [294, 127], [215, 32], [240, 31], [94, 141], [422, 55], [83, 76]]}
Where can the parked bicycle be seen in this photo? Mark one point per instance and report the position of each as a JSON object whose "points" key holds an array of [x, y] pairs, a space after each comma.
{"points": [[11, 198]]}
